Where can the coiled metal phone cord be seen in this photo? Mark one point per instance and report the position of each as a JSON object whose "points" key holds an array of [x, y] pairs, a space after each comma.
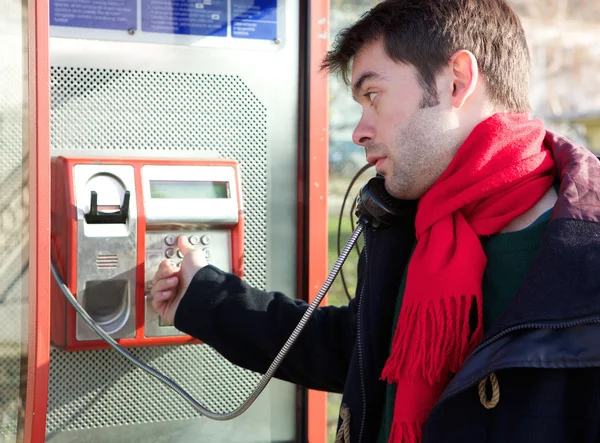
{"points": [[264, 380]]}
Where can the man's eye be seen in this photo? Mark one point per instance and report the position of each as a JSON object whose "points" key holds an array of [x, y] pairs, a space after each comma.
{"points": [[371, 96]]}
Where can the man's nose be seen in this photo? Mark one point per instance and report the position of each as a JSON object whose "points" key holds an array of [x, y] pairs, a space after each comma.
{"points": [[363, 133]]}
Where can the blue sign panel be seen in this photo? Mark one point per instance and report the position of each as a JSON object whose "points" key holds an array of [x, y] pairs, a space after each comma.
{"points": [[189, 17], [96, 14], [254, 19]]}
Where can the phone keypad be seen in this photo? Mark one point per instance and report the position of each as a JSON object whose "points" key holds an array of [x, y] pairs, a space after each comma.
{"points": [[163, 245], [214, 243]]}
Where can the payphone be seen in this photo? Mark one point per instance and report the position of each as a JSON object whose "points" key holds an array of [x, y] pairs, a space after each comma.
{"points": [[114, 221]]}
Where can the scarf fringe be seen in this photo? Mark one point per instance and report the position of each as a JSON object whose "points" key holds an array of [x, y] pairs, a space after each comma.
{"points": [[406, 432], [427, 344]]}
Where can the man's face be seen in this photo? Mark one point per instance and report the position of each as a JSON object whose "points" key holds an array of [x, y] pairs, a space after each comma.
{"points": [[408, 135]]}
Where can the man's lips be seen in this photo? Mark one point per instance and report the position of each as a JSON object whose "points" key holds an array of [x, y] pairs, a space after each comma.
{"points": [[377, 161], [373, 159]]}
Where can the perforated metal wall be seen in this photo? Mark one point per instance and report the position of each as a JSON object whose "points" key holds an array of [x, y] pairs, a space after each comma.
{"points": [[110, 112], [100, 389]]}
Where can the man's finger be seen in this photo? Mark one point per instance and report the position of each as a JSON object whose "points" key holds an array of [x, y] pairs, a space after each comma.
{"points": [[161, 271], [166, 284], [163, 295], [165, 269], [184, 244]]}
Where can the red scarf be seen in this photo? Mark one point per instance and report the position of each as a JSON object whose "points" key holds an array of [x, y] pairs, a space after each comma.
{"points": [[499, 173]]}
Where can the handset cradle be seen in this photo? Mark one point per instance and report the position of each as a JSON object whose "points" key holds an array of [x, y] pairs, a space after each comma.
{"points": [[96, 216]]}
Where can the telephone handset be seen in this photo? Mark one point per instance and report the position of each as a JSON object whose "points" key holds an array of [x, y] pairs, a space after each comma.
{"points": [[378, 209]]}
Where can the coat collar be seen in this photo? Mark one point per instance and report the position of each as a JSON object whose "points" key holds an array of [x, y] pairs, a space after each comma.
{"points": [[579, 173]]}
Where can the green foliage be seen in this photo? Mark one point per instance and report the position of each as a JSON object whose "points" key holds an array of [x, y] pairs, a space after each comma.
{"points": [[337, 295]]}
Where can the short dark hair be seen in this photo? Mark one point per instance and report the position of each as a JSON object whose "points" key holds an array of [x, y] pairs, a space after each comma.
{"points": [[426, 33]]}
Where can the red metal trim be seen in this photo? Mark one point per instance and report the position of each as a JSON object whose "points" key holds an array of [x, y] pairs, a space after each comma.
{"points": [[140, 305], [318, 165], [39, 235]]}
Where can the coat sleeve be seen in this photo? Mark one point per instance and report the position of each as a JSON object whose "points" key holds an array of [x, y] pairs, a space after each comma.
{"points": [[249, 326]]}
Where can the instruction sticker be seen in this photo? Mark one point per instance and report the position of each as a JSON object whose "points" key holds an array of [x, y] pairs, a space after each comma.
{"points": [[255, 24], [97, 14], [255, 19], [188, 17]]}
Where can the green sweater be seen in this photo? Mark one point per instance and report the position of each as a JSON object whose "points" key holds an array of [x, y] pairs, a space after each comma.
{"points": [[509, 258]]}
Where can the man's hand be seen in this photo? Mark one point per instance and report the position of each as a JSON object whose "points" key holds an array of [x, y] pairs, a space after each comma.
{"points": [[170, 282]]}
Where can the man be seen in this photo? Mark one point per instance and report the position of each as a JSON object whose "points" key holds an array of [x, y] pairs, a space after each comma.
{"points": [[479, 320]]}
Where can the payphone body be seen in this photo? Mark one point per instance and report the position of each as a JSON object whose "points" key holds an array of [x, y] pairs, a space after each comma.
{"points": [[115, 220]]}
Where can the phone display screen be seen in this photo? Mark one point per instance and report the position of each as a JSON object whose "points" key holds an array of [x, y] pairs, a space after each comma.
{"points": [[189, 189]]}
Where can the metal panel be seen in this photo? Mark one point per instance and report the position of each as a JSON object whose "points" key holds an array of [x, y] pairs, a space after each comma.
{"points": [[109, 252], [137, 100]]}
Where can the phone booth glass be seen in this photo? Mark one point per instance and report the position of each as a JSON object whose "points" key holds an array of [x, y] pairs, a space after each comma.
{"points": [[14, 218]]}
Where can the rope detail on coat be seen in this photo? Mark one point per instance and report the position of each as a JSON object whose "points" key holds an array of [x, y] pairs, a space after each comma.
{"points": [[343, 433], [491, 403]]}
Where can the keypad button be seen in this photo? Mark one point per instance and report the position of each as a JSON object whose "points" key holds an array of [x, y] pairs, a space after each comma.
{"points": [[179, 254], [169, 253], [194, 239], [170, 240], [206, 239], [207, 253]]}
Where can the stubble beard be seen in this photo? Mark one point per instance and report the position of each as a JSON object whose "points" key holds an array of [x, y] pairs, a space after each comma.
{"points": [[423, 148]]}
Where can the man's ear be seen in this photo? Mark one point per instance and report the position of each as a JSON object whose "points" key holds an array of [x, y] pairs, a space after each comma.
{"points": [[465, 74]]}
